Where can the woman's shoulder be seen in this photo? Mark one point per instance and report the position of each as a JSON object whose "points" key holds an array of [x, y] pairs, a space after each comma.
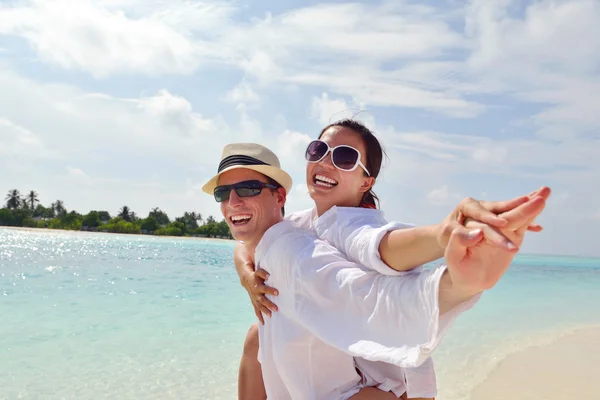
{"points": [[354, 214], [302, 218]]}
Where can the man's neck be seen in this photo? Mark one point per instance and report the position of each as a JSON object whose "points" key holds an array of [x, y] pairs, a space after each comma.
{"points": [[251, 244]]}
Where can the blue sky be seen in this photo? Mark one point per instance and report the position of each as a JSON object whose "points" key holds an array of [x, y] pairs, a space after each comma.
{"points": [[106, 103]]}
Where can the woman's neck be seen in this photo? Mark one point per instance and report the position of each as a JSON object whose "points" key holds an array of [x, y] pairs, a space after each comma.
{"points": [[323, 208]]}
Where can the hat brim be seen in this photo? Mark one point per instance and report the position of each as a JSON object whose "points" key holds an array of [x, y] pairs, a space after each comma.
{"points": [[277, 174]]}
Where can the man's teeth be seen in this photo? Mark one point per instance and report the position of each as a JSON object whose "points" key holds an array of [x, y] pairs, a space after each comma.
{"points": [[238, 218], [325, 181]]}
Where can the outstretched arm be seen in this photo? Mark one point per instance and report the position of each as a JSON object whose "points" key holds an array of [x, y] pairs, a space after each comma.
{"points": [[475, 263], [404, 249]]}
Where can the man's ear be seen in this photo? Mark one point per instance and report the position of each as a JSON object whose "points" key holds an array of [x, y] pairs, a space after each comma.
{"points": [[281, 196], [368, 183]]}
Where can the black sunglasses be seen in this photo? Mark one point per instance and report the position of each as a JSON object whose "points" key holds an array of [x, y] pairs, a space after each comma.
{"points": [[242, 189]]}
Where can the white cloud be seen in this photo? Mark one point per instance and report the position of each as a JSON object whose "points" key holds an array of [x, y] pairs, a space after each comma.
{"points": [[104, 38], [290, 150], [443, 196], [327, 110], [15, 139], [79, 176], [242, 93]]}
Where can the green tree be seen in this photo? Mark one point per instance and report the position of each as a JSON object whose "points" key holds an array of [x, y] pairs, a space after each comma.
{"points": [[32, 199], [59, 208], [210, 220], [189, 220], [160, 216], [104, 216], [48, 213], [91, 220], [125, 213], [150, 224], [39, 211], [13, 199]]}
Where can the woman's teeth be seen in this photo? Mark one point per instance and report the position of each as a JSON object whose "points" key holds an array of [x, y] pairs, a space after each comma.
{"points": [[324, 181]]}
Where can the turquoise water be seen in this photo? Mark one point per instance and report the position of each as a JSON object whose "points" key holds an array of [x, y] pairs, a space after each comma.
{"points": [[101, 316]]}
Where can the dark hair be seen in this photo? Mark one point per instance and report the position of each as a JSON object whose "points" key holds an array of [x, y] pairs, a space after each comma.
{"points": [[374, 153], [275, 183]]}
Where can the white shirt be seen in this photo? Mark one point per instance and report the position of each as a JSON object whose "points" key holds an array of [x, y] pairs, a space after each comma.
{"points": [[332, 310], [357, 232]]}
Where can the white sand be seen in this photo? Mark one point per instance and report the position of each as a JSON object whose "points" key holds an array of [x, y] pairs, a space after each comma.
{"points": [[568, 368]]}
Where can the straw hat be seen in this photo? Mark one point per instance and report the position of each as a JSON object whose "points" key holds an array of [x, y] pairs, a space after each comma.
{"points": [[250, 156]]}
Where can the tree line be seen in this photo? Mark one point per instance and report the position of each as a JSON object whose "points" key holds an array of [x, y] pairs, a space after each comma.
{"points": [[27, 211]]}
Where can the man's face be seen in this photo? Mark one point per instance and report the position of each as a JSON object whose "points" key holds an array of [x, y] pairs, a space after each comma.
{"points": [[249, 217]]}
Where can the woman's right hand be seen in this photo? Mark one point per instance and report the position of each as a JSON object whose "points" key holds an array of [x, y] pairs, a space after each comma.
{"points": [[254, 283]]}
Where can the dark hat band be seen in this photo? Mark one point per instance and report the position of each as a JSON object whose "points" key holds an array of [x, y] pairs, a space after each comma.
{"points": [[239, 160]]}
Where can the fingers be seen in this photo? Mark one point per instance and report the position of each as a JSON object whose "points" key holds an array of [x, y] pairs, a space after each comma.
{"points": [[492, 235], [543, 192], [474, 209], [268, 304], [500, 207], [534, 228], [261, 273], [259, 286], [263, 309], [460, 240], [525, 213]]}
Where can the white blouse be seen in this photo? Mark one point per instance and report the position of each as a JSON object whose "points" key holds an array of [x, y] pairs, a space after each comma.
{"points": [[332, 310], [357, 232]]}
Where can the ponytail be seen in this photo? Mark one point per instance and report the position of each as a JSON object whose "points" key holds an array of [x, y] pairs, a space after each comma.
{"points": [[369, 200]]}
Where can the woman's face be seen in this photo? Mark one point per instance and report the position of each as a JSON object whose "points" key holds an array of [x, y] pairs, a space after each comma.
{"points": [[329, 186]]}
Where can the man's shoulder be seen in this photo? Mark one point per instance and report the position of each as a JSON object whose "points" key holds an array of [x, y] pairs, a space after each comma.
{"points": [[284, 237]]}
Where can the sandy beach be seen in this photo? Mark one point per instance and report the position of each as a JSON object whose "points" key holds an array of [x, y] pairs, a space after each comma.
{"points": [[567, 368]]}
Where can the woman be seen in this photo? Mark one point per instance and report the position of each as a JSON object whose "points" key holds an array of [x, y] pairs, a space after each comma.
{"points": [[341, 171]]}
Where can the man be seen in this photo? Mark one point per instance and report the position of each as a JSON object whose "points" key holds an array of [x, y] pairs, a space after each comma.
{"points": [[332, 310]]}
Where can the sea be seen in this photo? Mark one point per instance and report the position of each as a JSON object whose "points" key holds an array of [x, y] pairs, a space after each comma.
{"points": [[104, 316]]}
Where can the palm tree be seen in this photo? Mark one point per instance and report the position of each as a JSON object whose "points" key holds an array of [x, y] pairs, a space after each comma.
{"points": [[125, 213], [59, 208], [32, 198], [24, 204], [13, 199]]}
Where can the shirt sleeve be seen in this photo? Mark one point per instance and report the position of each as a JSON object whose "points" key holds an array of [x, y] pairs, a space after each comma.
{"points": [[357, 233], [393, 319]]}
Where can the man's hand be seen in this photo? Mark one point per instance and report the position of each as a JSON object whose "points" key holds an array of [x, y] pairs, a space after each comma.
{"points": [[475, 262], [486, 212], [254, 283]]}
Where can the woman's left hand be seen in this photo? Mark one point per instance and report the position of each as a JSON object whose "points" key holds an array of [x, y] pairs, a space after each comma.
{"points": [[486, 212]]}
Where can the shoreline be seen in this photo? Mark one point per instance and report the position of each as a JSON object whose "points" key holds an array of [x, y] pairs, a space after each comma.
{"points": [[32, 229], [565, 367]]}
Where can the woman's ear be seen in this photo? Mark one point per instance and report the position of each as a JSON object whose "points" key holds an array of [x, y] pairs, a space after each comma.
{"points": [[368, 183]]}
